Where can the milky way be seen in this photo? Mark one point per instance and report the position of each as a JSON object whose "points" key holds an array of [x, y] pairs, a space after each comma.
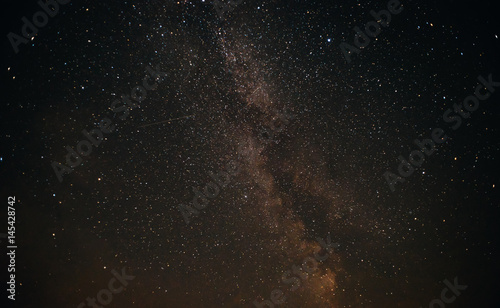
{"points": [[253, 173]]}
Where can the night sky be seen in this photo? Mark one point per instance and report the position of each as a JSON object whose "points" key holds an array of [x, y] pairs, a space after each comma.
{"points": [[256, 165]]}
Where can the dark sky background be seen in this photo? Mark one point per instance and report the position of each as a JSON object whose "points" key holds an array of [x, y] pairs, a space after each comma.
{"points": [[320, 174]]}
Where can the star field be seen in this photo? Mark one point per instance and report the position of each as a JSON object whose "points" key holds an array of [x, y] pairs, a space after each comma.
{"points": [[295, 140]]}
